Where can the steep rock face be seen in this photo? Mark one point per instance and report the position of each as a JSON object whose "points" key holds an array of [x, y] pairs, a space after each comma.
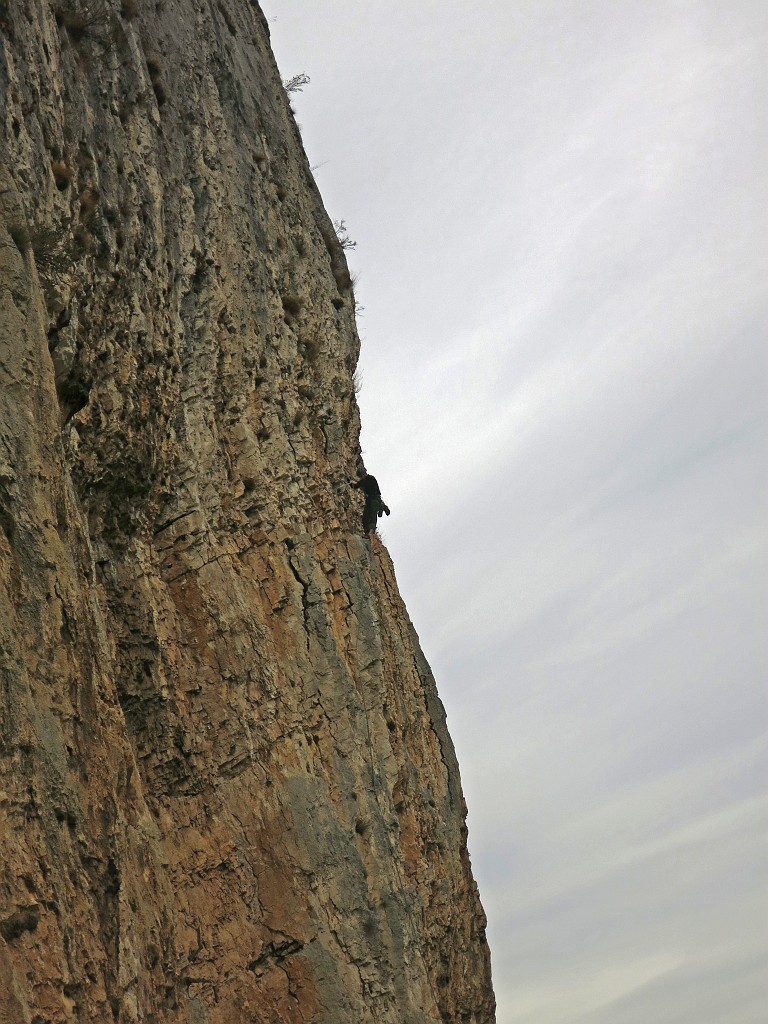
{"points": [[227, 792]]}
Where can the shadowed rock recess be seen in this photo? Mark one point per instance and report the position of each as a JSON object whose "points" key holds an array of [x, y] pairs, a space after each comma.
{"points": [[227, 792]]}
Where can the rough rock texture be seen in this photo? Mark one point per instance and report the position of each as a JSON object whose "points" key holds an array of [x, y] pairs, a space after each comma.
{"points": [[227, 792]]}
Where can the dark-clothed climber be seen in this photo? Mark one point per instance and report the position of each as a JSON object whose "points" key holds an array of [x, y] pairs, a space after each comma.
{"points": [[374, 506]]}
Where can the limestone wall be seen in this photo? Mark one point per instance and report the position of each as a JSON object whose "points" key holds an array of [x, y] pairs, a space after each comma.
{"points": [[227, 792]]}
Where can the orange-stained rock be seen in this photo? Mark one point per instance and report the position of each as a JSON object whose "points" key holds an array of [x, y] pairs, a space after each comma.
{"points": [[227, 792]]}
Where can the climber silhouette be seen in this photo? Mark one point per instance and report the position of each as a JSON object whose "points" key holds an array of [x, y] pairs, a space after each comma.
{"points": [[374, 506]]}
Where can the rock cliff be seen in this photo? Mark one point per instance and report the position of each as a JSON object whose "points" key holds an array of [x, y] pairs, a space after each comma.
{"points": [[227, 792]]}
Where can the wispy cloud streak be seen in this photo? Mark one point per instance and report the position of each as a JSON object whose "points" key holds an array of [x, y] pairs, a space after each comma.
{"points": [[562, 222]]}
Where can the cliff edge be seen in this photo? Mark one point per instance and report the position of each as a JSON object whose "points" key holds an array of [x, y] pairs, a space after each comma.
{"points": [[227, 792]]}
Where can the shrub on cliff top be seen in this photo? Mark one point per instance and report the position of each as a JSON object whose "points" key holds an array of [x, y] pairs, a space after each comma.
{"points": [[296, 84], [343, 235]]}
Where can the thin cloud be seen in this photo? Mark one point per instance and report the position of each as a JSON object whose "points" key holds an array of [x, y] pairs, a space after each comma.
{"points": [[560, 213]]}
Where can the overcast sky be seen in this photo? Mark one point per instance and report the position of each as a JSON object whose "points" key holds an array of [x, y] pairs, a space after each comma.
{"points": [[561, 217]]}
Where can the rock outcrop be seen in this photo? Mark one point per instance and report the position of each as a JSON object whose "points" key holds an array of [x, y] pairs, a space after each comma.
{"points": [[227, 792]]}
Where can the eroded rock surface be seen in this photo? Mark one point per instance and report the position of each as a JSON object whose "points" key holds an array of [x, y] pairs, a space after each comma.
{"points": [[227, 792]]}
